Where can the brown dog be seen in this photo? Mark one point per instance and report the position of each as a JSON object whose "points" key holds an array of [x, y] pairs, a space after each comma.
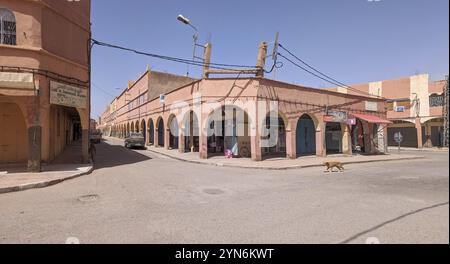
{"points": [[333, 164]]}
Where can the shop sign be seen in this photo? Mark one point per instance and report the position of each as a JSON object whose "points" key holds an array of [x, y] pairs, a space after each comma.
{"points": [[336, 116], [68, 95], [371, 106]]}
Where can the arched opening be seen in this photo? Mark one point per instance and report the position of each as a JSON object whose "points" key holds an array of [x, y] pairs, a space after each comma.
{"points": [[143, 129], [275, 138], [306, 136], [358, 139], [173, 132], [433, 133], [191, 132], [151, 132], [128, 130], [13, 134], [333, 138], [229, 132], [160, 126], [136, 126]]}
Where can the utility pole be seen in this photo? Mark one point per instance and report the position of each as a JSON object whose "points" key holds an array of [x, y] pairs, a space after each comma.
{"points": [[445, 114]]}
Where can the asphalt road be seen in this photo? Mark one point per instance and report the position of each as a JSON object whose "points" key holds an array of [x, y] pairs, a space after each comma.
{"points": [[134, 196]]}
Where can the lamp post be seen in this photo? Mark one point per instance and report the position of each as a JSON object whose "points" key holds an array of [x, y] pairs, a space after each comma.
{"points": [[186, 21]]}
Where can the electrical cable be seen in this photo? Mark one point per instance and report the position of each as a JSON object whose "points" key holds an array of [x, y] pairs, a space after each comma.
{"points": [[333, 81], [185, 61]]}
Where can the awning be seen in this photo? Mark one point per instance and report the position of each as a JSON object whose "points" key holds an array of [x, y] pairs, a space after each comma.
{"points": [[372, 119]]}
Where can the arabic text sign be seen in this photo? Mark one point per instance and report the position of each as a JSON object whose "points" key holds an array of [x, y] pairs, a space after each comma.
{"points": [[68, 95], [336, 116]]}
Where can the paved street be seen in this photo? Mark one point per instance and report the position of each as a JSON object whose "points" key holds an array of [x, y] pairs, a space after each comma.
{"points": [[135, 196]]}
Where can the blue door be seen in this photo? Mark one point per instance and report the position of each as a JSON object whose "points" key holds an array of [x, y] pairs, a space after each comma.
{"points": [[306, 136]]}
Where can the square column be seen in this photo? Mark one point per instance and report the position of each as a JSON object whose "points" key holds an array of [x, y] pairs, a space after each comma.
{"points": [[346, 140], [419, 133], [181, 143], [34, 148], [291, 146], [321, 148]]}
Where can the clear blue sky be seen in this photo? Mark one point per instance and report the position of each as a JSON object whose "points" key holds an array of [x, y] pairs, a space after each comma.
{"points": [[354, 41]]}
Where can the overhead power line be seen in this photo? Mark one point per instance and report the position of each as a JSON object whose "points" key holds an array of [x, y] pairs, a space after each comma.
{"points": [[315, 72], [221, 66]]}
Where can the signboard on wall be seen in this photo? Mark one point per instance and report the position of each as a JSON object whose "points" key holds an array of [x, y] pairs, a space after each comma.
{"points": [[371, 106], [336, 116], [16, 80], [68, 95]]}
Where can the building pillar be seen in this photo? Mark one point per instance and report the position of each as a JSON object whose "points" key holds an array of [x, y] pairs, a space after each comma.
{"points": [[181, 141], [321, 143], [291, 150], [419, 133], [255, 131], [34, 148], [346, 140], [428, 142], [203, 144], [167, 137], [85, 146]]}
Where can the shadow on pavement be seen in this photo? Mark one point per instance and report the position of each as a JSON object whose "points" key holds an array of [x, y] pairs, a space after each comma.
{"points": [[108, 156]]}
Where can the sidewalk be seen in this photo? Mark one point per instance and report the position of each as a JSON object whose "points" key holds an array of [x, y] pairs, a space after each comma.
{"points": [[435, 149], [279, 163], [13, 179]]}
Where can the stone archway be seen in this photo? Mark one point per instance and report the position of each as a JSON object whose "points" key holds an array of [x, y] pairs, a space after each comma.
{"points": [[173, 132], [306, 136], [160, 132], [228, 130], [151, 132]]}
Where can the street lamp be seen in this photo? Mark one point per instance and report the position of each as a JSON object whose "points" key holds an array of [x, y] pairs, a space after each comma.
{"points": [[186, 21]]}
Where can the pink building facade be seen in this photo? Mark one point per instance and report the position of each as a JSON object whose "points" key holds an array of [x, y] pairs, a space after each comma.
{"points": [[249, 117], [44, 80], [415, 107]]}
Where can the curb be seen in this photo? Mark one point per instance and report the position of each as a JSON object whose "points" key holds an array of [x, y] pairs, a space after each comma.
{"points": [[44, 184], [280, 168]]}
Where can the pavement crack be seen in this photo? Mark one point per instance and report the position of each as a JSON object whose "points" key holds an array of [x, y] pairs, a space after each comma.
{"points": [[392, 221]]}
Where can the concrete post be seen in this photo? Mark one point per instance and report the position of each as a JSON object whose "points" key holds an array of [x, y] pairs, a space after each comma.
{"points": [[207, 60], [419, 133], [181, 141], [167, 137], [34, 148], [85, 146], [255, 135], [261, 60], [346, 140], [291, 150], [321, 142]]}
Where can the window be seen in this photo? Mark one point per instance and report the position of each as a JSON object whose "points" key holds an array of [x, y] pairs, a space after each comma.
{"points": [[7, 27], [436, 100]]}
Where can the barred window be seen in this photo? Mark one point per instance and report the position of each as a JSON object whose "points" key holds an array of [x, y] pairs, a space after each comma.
{"points": [[436, 100], [7, 27]]}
